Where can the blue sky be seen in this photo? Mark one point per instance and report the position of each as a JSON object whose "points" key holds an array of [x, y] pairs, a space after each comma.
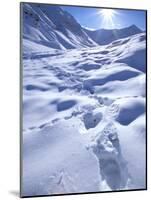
{"points": [[93, 19]]}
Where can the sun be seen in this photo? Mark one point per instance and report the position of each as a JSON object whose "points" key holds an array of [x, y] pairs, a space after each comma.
{"points": [[107, 13], [108, 17]]}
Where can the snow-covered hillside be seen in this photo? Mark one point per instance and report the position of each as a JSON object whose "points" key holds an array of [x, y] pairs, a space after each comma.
{"points": [[52, 27], [106, 36], [83, 111]]}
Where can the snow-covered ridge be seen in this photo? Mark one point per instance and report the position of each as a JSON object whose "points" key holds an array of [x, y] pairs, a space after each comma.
{"points": [[106, 36], [52, 27]]}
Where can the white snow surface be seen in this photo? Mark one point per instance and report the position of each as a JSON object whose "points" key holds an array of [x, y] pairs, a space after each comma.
{"points": [[106, 36], [53, 27], [84, 116]]}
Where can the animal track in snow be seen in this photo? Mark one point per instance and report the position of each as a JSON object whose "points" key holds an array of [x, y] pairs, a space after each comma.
{"points": [[113, 168], [91, 119], [112, 111]]}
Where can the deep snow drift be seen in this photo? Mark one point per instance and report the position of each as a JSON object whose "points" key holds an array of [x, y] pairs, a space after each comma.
{"points": [[83, 114]]}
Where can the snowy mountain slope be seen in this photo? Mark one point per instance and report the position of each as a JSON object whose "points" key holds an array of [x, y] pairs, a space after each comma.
{"points": [[84, 118], [106, 36], [52, 27]]}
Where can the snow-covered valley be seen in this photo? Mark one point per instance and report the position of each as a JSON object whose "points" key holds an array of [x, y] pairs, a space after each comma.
{"points": [[84, 114]]}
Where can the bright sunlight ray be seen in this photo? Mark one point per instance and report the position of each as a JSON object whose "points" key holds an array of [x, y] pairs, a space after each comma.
{"points": [[108, 17]]}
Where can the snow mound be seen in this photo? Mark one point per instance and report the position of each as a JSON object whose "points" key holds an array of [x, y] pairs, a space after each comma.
{"points": [[130, 109], [116, 73], [136, 60]]}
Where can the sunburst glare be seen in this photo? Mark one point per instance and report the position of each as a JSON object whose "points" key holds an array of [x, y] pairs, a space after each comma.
{"points": [[108, 16]]}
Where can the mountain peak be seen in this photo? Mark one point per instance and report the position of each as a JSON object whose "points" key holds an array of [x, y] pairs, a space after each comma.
{"points": [[133, 26], [51, 26]]}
